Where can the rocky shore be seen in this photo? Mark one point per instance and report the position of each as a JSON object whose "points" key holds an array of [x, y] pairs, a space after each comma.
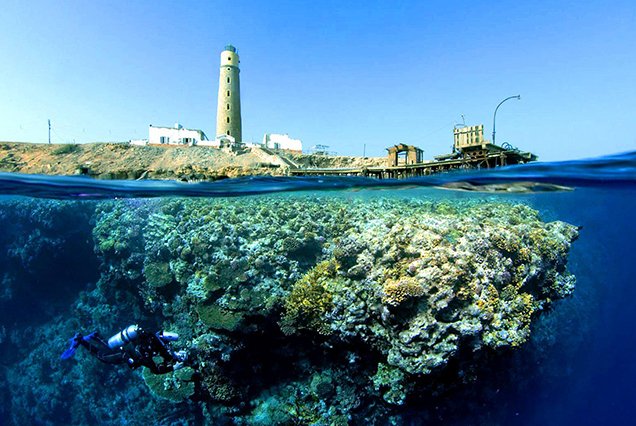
{"points": [[124, 161]]}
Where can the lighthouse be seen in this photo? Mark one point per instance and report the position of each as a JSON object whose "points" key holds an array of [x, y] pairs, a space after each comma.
{"points": [[228, 113]]}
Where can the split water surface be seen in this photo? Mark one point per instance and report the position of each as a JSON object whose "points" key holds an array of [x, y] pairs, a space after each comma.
{"points": [[500, 296]]}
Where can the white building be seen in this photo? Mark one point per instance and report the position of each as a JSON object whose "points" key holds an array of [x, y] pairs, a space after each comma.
{"points": [[177, 135], [282, 142], [222, 141]]}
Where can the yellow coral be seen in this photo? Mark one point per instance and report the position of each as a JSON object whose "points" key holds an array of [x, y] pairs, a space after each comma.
{"points": [[466, 292], [310, 299], [397, 291], [524, 255], [490, 299]]}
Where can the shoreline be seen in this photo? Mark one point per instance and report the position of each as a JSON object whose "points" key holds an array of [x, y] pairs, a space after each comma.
{"points": [[120, 160]]}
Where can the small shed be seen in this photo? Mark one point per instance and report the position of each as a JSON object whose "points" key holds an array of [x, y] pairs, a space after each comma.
{"points": [[401, 154]]}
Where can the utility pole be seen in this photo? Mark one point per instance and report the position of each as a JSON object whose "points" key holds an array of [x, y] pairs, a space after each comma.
{"points": [[364, 151], [49, 130]]}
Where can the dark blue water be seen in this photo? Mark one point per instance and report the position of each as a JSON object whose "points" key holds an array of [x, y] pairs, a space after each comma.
{"points": [[579, 366]]}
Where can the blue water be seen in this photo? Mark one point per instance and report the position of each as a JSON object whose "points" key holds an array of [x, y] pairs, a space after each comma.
{"points": [[612, 171], [579, 366]]}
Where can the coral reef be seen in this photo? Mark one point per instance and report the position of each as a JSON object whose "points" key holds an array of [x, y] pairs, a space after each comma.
{"points": [[299, 310], [176, 386]]}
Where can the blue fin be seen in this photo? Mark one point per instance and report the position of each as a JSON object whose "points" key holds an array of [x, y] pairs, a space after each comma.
{"points": [[71, 351]]}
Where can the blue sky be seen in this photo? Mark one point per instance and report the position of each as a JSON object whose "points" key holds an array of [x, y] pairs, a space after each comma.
{"points": [[339, 73]]}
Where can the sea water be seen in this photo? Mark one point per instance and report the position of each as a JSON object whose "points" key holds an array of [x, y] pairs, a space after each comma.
{"points": [[59, 275]]}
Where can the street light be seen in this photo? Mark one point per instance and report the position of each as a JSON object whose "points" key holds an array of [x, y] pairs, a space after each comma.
{"points": [[494, 118]]}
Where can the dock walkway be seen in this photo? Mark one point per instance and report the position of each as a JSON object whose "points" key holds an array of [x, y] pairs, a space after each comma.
{"points": [[491, 160]]}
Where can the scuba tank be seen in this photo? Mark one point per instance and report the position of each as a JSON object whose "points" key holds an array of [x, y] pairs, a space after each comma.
{"points": [[168, 336], [128, 334]]}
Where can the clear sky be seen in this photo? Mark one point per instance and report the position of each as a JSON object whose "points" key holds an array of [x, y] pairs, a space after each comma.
{"points": [[338, 73]]}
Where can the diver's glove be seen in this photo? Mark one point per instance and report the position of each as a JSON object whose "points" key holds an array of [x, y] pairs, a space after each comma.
{"points": [[182, 358]]}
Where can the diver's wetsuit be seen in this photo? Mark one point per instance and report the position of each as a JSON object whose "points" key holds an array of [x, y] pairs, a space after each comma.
{"points": [[148, 346], [140, 353]]}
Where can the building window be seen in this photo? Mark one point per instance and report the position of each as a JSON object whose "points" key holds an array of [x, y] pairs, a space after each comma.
{"points": [[164, 139], [228, 93], [228, 132], [227, 106], [228, 119], [228, 79], [229, 58]]}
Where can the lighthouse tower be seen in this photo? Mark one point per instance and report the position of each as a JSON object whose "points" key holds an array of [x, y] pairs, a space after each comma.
{"points": [[228, 113]]}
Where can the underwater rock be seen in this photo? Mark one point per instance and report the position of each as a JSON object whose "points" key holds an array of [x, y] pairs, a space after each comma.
{"points": [[41, 242], [473, 276], [413, 281], [517, 187]]}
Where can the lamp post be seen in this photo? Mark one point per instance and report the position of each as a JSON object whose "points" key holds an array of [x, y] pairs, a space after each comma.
{"points": [[494, 118]]}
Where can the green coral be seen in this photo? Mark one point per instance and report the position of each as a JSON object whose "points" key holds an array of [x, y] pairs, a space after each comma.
{"points": [[175, 386], [158, 274], [322, 386], [218, 318], [391, 383], [212, 283], [118, 230]]}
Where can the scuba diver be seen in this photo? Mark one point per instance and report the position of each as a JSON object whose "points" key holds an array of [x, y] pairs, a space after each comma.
{"points": [[132, 346]]}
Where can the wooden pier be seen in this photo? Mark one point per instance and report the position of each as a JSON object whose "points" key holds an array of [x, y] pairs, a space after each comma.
{"points": [[476, 160]]}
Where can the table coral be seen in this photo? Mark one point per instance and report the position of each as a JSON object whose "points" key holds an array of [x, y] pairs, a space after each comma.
{"points": [[175, 386]]}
